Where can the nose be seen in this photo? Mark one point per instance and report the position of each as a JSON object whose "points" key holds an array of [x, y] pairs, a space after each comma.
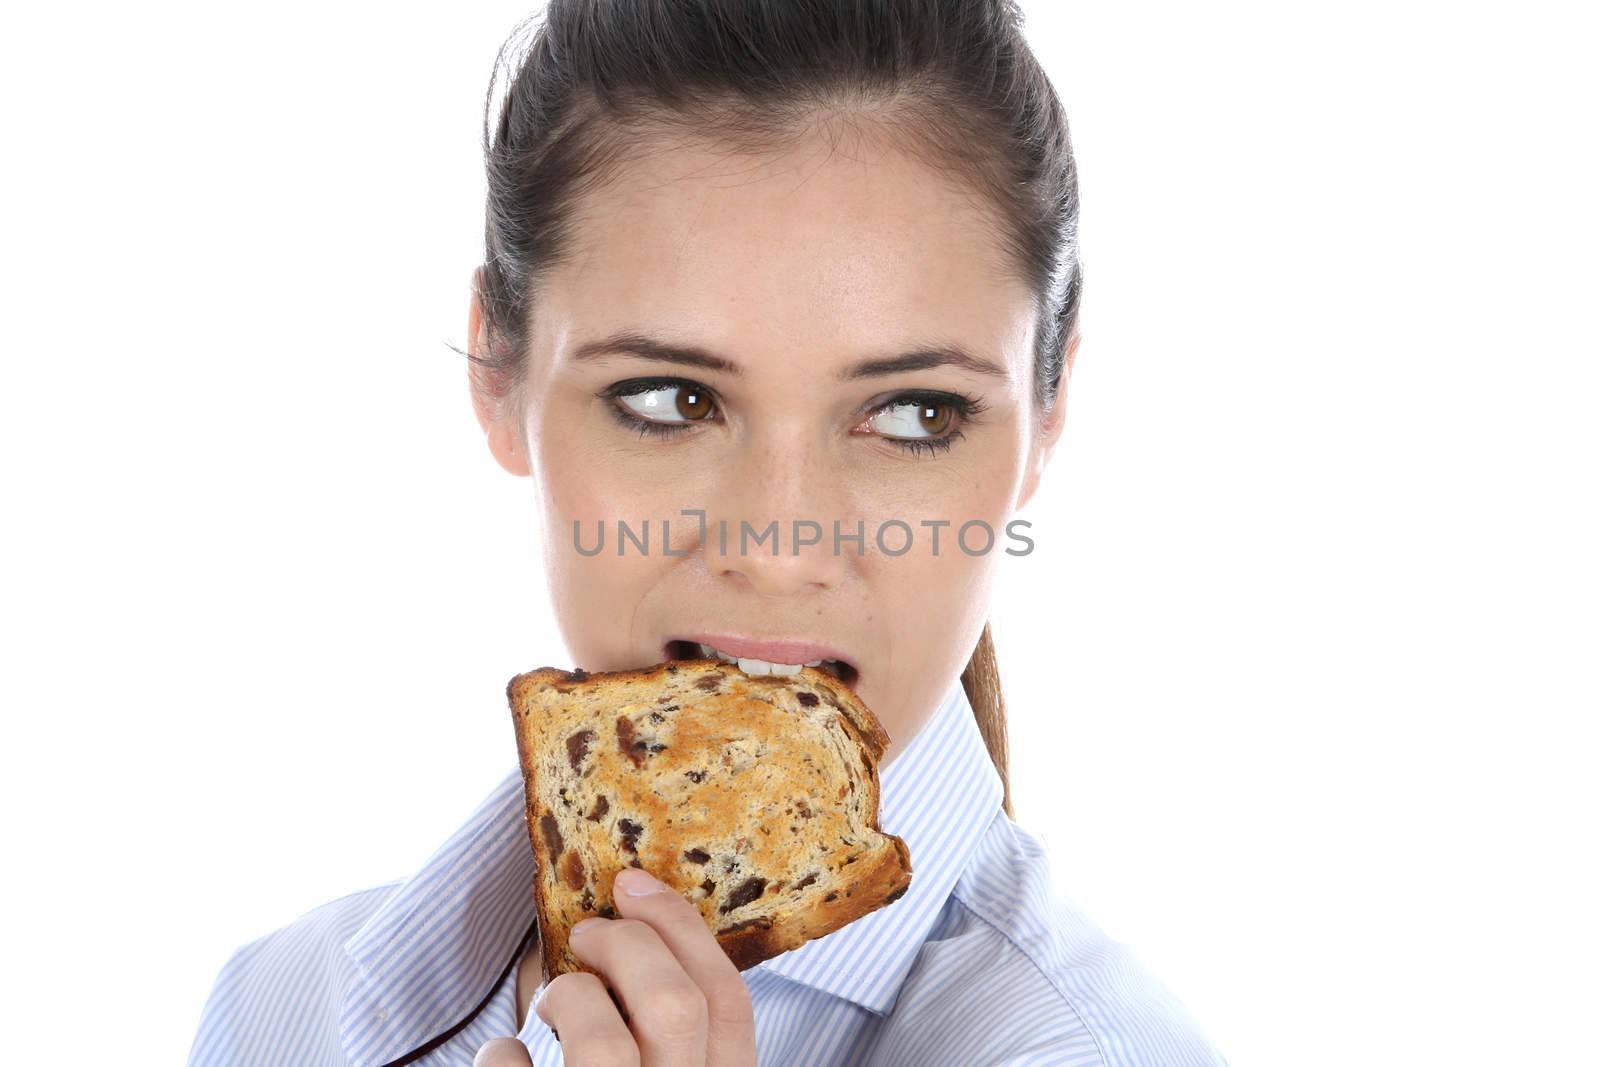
{"points": [[770, 525]]}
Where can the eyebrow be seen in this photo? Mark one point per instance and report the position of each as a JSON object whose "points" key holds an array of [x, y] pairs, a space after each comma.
{"points": [[921, 358]]}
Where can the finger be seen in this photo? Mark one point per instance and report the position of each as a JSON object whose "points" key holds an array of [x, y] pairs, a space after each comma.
{"points": [[731, 1028], [578, 1007], [503, 1052], [666, 1009]]}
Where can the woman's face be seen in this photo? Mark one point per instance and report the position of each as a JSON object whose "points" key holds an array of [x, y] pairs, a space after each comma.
{"points": [[786, 286]]}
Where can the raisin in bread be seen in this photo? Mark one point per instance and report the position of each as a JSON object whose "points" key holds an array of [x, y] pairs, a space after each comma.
{"points": [[754, 797]]}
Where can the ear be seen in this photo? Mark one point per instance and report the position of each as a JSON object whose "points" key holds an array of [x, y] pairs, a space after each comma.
{"points": [[1044, 444], [504, 438]]}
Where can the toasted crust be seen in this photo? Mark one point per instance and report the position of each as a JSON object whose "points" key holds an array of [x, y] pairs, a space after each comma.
{"points": [[755, 797]]}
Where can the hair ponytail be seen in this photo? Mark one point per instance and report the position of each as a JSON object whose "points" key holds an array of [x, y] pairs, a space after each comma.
{"points": [[981, 680]]}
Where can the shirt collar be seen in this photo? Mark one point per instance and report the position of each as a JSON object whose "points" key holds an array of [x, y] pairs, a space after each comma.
{"points": [[426, 957]]}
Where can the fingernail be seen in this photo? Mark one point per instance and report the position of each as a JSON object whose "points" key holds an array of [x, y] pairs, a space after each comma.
{"points": [[588, 924], [637, 883]]}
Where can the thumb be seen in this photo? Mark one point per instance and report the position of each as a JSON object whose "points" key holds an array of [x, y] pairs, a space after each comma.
{"points": [[503, 1052]]}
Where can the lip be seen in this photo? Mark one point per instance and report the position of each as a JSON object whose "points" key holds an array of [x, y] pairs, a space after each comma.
{"points": [[771, 649]]}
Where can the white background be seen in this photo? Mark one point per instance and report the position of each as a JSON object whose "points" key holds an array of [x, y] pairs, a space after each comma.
{"points": [[1302, 673]]}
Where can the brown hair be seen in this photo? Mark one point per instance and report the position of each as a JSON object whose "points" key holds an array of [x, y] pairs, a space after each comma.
{"points": [[951, 81], [981, 680]]}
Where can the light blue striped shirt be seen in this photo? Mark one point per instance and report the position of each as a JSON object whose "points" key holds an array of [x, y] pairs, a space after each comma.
{"points": [[982, 962]]}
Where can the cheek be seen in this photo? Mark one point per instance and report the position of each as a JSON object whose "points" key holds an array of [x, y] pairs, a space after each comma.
{"points": [[948, 569], [597, 594], [968, 505], [938, 497]]}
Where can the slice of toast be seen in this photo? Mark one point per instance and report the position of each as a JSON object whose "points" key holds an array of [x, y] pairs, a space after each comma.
{"points": [[755, 797]]}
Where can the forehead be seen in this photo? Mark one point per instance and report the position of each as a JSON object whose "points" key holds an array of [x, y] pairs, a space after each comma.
{"points": [[833, 245]]}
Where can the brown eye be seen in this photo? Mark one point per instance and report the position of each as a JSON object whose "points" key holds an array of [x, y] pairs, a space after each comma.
{"points": [[693, 403], [914, 419], [669, 403], [935, 418]]}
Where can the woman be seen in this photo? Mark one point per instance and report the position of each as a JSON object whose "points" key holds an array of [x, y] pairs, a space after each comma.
{"points": [[805, 263]]}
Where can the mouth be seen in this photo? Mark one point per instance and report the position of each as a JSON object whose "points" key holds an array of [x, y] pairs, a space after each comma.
{"points": [[765, 657]]}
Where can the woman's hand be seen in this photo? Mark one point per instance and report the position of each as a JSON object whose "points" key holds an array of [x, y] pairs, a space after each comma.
{"points": [[687, 1004]]}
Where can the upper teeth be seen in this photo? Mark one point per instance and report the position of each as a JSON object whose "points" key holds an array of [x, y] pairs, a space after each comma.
{"points": [[755, 666]]}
